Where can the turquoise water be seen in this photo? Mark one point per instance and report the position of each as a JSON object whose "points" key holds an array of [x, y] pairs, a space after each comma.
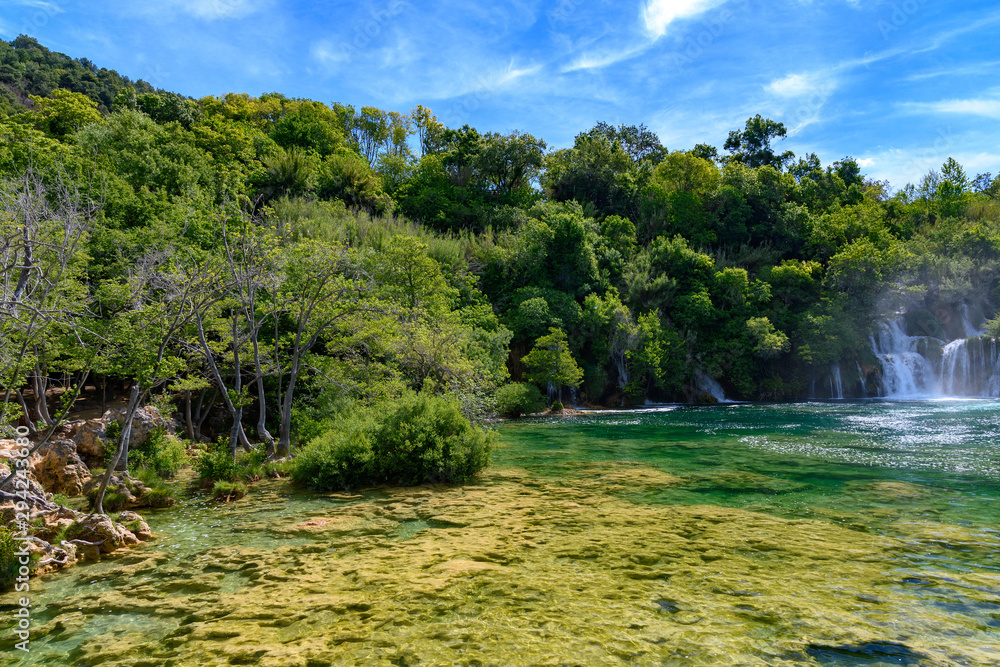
{"points": [[875, 462]]}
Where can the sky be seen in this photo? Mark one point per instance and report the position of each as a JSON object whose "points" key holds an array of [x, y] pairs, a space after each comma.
{"points": [[898, 85]]}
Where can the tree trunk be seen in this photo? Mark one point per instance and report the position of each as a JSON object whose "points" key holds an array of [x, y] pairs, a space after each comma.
{"points": [[285, 429], [262, 431], [123, 438], [40, 388], [202, 416], [187, 414]]}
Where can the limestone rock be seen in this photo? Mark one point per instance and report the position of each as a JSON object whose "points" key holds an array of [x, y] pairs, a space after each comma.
{"points": [[145, 421], [89, 438], [136, 524], [101, 530], [59, 468]]}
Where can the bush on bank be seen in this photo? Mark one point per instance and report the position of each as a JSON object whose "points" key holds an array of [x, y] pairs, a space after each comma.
{"points": [[415, 439]]}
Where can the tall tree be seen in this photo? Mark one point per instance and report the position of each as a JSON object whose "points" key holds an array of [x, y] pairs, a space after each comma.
{"points": [[752, 145], [551, 362]]}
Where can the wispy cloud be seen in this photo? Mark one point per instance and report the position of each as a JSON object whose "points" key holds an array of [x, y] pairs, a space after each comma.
{"points": [[209, 10], [659, 14], [48, 7], [988, 108], [801, 84], [977, 69], [600, 60]]}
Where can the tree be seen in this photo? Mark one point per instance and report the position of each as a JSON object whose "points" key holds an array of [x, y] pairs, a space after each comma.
{"points": [[638, 141], [752, 146], [551, 363], [323, 286], [64, 112]]}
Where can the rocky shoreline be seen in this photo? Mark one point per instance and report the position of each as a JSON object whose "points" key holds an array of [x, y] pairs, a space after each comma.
{"points": [[57, 536]]}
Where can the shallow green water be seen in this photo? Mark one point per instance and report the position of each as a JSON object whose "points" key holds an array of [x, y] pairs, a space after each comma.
{"points": [[925, 474]]}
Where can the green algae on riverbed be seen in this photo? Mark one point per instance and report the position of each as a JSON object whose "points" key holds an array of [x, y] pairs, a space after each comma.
{"points": [[518, 570], [751, 535]]}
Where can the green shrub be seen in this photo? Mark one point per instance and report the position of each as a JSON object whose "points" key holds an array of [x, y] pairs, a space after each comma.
{"points": [[164, 453], [114, 501], [413, 440], [556, 406], [159, 497], [216, 464], [60, 499], [229, 490], [8, 561], [111, 433], [514, 400]]}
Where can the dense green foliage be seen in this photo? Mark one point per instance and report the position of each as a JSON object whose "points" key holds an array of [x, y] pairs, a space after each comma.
{"points": [[28, 68], [164, 454], [519, 398], [8, 561], [281, 260], [414, 439]]}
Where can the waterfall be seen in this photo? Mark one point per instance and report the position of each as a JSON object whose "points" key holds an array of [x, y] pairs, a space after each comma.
{"points": [[971, 367], [836, 385], [861, 376], [906, 372], [912, 366], [969, 331], [707, 384]]}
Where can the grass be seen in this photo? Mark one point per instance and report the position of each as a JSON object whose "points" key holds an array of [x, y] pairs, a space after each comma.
{"points": [[226, 491]]}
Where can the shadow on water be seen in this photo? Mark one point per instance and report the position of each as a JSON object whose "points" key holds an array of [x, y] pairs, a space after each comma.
{"points": [[874, 653]]}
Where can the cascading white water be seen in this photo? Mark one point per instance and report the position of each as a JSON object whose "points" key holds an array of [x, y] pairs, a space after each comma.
{"points": [[861, 376], [971, 367], [707, 384], [968, 329], [906, 373], [836, 385], [966, 367]]}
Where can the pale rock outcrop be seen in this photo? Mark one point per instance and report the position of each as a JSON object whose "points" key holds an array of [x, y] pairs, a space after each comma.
{"points": [[58, 467]]}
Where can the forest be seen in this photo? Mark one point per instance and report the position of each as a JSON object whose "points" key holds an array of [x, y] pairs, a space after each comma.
{"points": [[291, 264]]}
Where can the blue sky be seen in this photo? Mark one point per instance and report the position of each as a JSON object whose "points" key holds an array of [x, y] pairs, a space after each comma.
{"points": [[899, 85]]}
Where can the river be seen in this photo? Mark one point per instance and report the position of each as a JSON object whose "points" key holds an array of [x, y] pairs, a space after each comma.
{"points": [[816, 533]]}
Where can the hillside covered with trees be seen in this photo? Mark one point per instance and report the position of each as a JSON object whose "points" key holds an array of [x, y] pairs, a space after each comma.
{"points": [[288, 261]]}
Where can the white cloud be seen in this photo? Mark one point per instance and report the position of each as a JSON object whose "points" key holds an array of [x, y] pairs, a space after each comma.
{"points": [[797, 85], [971, 107], [330, 53], [658, 14], [599, 60], [800, 98]]}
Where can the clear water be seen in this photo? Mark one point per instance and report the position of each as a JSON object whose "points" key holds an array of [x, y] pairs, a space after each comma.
{"points": [[923, 474], [820, 457]]}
